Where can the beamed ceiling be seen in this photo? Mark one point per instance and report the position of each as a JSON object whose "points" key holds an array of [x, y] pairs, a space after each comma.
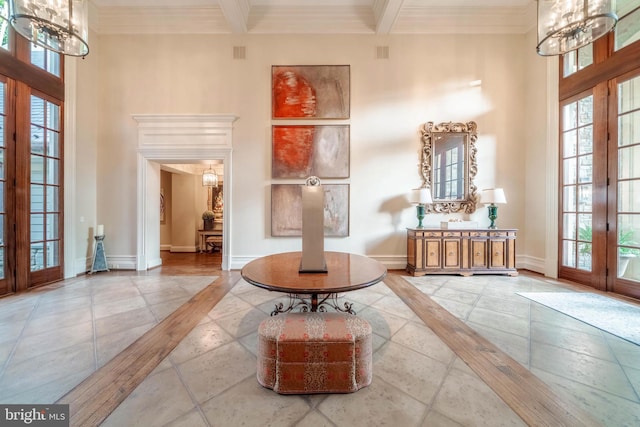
{"points": [[312, 16]]}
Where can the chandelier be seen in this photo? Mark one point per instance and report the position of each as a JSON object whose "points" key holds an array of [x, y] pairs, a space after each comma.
{"points": [[210, 178], [58, 25], [566, 25]]}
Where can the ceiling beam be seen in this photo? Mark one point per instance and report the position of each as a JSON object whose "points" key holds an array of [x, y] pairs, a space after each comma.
{"points": [[386, 12], [237, 14]]}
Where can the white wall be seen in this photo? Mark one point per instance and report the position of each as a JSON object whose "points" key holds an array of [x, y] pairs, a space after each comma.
{"points": [[85, 161], [426, 78], [540, 159]]}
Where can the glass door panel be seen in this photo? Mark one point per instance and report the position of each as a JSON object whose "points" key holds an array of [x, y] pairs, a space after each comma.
{"points": [[45, 215], [3, 185], [577, 184], [627, 243]]}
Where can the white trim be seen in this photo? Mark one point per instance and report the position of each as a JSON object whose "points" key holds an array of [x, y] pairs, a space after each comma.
{"points": [[185, 138], [391, 262], [531, 263], [551, 172], [71, 264], [121, 262]]}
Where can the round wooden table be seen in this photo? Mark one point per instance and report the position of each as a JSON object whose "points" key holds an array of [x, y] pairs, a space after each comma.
{"points": [[345, 272]]}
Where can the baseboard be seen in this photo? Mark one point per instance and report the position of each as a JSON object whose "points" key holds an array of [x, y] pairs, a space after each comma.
{"points": [[391, 262], [154, 263], [81, 266], [399, 262], [183, 249], [527, 262], [121, 262], [165, 247]]}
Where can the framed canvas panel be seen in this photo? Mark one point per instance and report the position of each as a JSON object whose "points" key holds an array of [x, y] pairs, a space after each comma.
{"points": [[162, 207], [286, 210], [310, 92], [303, 151]]}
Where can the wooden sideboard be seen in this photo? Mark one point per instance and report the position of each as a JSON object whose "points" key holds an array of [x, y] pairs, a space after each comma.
{"points": [[465, 252]]}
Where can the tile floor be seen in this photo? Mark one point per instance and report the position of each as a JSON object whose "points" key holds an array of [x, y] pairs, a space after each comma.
{"points": [[53, 338]]}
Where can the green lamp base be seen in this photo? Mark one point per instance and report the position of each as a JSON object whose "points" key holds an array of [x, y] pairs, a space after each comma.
{"points": [[493, 215]]}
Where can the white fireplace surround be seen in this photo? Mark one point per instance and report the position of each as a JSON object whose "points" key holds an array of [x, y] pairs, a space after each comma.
{"points": [[177, 138]]}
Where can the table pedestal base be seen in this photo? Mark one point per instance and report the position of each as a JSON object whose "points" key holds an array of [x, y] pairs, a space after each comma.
{"points": [[313, 304]]}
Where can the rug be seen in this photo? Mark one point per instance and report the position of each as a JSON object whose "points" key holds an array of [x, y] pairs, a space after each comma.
{"points": [[610, 315]]}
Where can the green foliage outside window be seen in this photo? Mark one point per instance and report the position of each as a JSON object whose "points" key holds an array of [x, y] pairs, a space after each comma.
{"points": [[4, 23]]}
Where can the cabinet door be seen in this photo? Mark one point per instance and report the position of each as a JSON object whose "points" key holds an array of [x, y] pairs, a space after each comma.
{"points": [[433, 253], [451, 257], [479, 253], [498, 252]]}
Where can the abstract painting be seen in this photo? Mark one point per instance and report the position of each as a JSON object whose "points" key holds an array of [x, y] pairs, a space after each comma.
{"points": [[303, 151], [310, 91], [286, 210], [162, 207]]}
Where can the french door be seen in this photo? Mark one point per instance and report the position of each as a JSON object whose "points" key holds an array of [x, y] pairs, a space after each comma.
{"points": [[624, 189], [599, 240], [30, 187]]}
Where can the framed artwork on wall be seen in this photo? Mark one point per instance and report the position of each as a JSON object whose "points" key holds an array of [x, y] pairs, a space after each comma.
{"points": [[303, 151], [286, 210], [310, 92], [162, 207]]}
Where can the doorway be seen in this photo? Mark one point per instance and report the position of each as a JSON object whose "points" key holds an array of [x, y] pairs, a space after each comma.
{"points": [[178, 139], [189, 193]]}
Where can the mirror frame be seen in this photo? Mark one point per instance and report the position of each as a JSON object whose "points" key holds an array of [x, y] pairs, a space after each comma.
{"points": [[429, 131]]}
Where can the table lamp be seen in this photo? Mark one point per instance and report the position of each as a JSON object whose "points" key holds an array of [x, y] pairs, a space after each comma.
{"points": [[420, 197], [493, 196]]}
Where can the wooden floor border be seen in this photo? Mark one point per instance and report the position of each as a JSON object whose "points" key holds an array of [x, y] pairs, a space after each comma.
{"points": [[525, 393], [91, 401]]}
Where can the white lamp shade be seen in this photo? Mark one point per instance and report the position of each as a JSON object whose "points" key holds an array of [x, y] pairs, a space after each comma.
{"points": [[493, 195], [420, 196]]}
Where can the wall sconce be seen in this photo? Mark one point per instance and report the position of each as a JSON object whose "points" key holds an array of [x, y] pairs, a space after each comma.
{"points": [[493, 196], [566, 25], [58, 25], [420, 197]]}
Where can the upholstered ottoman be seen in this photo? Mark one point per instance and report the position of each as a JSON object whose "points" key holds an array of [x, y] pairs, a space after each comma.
{"points": [[303, 353]]}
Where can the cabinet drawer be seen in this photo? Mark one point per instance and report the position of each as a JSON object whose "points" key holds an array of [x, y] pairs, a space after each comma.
{"points": [[500, 234], [478, 234]]}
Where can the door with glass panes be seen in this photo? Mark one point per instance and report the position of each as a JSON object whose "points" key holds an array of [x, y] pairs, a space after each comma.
{"points": [[624, 187], [600, 189], [30, 187]]}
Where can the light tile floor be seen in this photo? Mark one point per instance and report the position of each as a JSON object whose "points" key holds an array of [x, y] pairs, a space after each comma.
{"points": [[53, 338]]}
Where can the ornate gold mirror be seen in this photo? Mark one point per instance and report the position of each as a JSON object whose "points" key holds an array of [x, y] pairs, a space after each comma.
{"points": [[448, 166]]}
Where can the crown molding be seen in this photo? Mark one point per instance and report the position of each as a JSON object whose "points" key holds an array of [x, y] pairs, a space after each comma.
{"points": [[383, 17]]}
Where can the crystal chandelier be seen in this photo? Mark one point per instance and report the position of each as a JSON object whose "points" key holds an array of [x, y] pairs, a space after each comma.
{"points": [[566, 25], [58, 25], [210, 178]]}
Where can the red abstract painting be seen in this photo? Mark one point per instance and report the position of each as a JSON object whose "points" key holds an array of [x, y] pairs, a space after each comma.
{"points": [[310, 91], [303, 151], [292, 150]]}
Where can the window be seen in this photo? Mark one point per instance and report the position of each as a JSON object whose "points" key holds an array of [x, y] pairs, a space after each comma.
{"points": [[628, 30], [577, 60], [4, 24], [46, 59]]}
